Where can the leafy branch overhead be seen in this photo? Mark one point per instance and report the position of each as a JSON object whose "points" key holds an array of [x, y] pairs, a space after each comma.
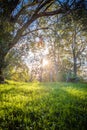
{"points": [[25, 13]]}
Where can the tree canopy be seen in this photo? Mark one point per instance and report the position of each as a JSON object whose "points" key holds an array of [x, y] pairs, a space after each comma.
{"points": [[24, 12], [19, 18]]}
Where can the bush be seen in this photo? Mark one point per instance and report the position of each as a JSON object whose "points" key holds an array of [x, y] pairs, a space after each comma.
{"points": [[70, 77]]}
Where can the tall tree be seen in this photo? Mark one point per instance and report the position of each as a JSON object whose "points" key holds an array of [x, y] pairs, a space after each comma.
{"points": [[70, 39], [20, 14]]}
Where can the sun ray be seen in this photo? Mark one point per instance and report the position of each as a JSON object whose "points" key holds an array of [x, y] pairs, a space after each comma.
{"points": [[45, 62]]}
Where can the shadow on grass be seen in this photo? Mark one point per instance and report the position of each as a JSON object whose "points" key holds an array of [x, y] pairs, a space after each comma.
{"points": [[60, 110]]}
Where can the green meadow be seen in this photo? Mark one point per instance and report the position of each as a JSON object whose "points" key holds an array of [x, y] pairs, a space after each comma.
{"points": [[43, 106]]}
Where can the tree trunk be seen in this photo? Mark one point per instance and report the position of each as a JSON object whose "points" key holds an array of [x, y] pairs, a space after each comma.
{"points": [[74, 47], [51, 76], [40, 76], [75, 67], [2, 80], [2, 65]]}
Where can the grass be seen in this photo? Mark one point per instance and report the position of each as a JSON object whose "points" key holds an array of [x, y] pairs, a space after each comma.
{"points": [[43, 106]]}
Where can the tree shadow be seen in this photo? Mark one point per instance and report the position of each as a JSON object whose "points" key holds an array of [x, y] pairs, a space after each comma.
{"points": [[62, 108]]}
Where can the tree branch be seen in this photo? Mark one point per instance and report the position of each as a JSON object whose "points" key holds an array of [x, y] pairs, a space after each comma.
{"points": [[35, 30], [59, 11], [15, 18]]}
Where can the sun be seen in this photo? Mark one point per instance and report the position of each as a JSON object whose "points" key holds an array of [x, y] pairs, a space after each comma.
{"points": [[45, 62]]}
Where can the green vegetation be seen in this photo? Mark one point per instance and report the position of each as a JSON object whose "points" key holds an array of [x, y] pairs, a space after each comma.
{"points": [[43, 106]]}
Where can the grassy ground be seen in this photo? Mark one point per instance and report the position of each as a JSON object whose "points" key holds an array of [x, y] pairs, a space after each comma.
{"points": [[43, 106]]}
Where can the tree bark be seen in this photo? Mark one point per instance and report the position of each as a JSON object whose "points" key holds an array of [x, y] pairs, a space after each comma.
{"points": [[74, 54], [2, 80], [75, 66]]}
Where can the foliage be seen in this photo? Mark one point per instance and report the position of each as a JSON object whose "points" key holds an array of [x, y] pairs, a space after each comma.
{"points": [[43, 106], [16, 68], [17, 18]]}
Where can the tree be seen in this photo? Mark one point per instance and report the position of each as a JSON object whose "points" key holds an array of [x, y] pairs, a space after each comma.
{"points": [[75, 42], [16, 68], [68, 38], [21, 14]]}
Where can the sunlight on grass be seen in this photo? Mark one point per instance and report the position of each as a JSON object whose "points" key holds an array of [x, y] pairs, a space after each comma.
{"points": [[43, 106], [76, 92]]}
